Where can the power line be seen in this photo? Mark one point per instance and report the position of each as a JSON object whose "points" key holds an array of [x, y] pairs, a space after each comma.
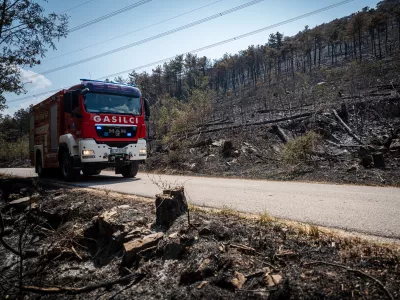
{"points": [[114, 13], [137, 30], [209, 46], [75, 6], [218, 15]]}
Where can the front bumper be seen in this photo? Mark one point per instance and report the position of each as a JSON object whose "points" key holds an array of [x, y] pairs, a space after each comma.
{"points": [[92, 152]]}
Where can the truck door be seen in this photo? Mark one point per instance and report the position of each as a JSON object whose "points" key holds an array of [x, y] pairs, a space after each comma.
{"points": [[72, 122]]}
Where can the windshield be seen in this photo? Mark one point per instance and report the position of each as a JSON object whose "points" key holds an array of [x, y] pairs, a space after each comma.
{"points": [[112, 104]]}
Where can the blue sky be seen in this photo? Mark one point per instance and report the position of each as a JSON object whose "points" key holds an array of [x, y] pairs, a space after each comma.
{"points": [[260, 15]]}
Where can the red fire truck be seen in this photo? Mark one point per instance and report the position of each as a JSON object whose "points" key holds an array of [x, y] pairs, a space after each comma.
{"points": [[91, 126]]}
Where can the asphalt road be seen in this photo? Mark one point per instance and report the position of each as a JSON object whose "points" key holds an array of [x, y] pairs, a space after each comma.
{"points": [[368, 210]]}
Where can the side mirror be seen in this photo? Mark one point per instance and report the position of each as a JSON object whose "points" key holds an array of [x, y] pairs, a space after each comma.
{"points": [[146, 109], [68, 102], [71, 100]]}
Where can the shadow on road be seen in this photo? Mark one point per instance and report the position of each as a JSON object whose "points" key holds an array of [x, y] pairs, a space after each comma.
{"points": [[92, 181]]}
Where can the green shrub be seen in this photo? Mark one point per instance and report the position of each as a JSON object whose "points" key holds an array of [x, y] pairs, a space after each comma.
{"points": [[300, 149], [17, 150]]}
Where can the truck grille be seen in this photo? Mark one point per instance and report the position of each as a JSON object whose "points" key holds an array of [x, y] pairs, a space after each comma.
{"points": [[116, 144], [106, 131]]}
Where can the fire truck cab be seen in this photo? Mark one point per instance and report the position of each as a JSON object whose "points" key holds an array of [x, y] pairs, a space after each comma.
{"points": [[91, 126]]}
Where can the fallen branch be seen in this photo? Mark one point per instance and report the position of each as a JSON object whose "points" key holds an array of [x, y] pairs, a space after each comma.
{"points": [[282, 135], [74, 291], [377, 281], [341, 145], [307, 114], [347, 128], [242, 247], [25, 254]]}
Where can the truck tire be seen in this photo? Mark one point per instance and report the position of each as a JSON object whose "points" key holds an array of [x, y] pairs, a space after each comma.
{"points": [[90, 172], [67, 171], [131, 170]]}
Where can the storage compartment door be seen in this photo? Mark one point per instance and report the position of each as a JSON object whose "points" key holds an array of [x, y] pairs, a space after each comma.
{"points": [[54, 127]]}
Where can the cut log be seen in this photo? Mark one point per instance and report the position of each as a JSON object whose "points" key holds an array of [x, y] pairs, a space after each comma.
{"points": [[282, 135], [24, 202], [133, 248], [347, 128]]}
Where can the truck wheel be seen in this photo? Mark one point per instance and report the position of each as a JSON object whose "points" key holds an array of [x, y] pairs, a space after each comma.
{"points": [[67, 170], [90, 172], [130, 170]]}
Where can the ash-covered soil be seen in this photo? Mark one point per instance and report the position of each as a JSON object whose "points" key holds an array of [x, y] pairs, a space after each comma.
{"points": [[77, 238]]}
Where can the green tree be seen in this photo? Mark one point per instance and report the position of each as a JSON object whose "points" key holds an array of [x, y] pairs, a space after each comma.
{"points": [[26, 33]]}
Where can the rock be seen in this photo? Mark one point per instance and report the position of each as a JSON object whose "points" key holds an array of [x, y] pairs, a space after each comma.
{"points": [[195, 273], [60, 214], [218, 143], [205, 231], [395, 144], [273, 280], [203, 143], [192, 150], [211, 156], [203, 283], [173, 235], [363, 151], [60, 197], [379, 160], [174, 249], [125, 206], [132, 248], [107, 224], [238, 280], [8, 231], [121, 218], [169, 206], [353, 168]]}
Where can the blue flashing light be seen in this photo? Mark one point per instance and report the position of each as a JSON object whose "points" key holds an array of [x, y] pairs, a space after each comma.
{"points": [[129, 134], [98, 127], [105, 133], [110, 82]]}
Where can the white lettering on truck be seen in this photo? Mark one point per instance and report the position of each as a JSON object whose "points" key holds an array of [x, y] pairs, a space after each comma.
{"points": [[115, 119]]}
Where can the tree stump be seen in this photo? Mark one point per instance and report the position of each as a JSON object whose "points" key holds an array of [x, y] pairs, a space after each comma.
{"points": [[228, 149], [379, 160], [170, 205]]}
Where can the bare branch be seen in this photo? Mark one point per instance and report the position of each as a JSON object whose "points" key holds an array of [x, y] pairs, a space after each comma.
{"points": [[377, 281], [74, 291]]}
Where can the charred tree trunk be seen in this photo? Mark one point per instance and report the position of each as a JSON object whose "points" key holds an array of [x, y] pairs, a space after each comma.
{"points": [[360, 44]]}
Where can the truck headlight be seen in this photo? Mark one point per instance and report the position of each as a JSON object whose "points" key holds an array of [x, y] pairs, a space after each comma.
{"points": [[87, 152], [143, 152]]}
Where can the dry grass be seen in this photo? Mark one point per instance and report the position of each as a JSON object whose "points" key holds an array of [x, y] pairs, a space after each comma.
{"points": [[313, 231], [265, 218], [228, 211], [300, 149]]}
